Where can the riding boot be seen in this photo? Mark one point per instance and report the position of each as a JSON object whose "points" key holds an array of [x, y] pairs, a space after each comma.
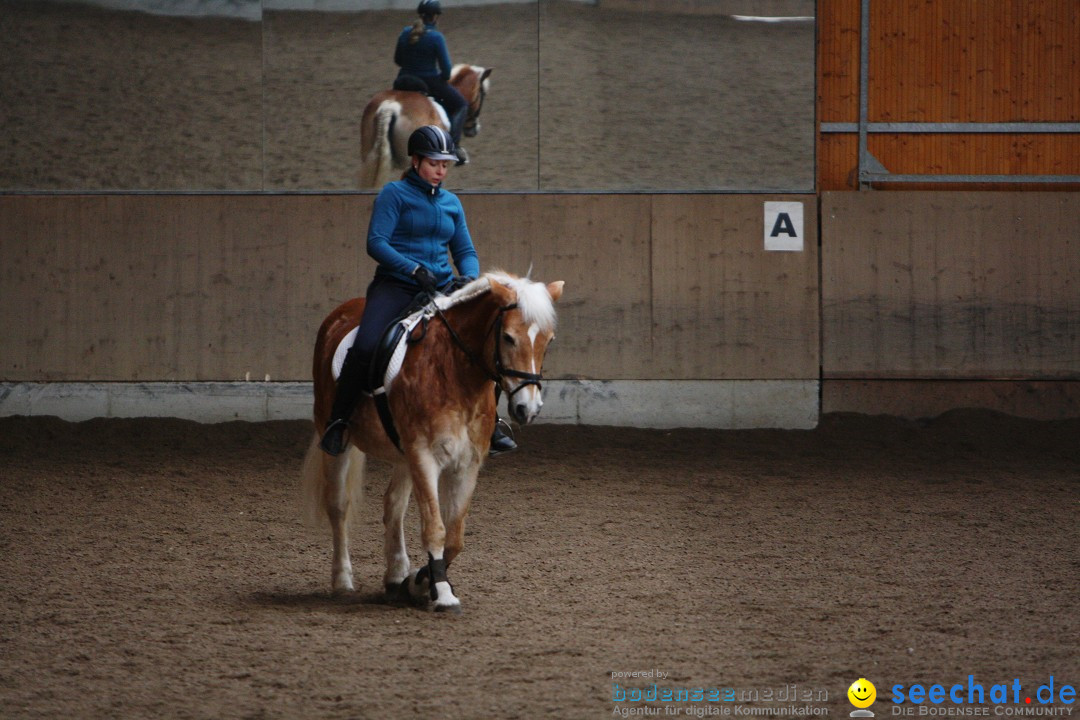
{"points": [[500, 441], [352, 381], [462, 156]]}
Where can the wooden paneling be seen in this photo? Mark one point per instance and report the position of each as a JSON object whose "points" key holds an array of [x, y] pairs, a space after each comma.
{"points": [[600, 246], [140, 288], [838, 61], [722, 306], [970, 60], [915, 399], [991, 154], [952, 61], [950, 285], [173, 287]]}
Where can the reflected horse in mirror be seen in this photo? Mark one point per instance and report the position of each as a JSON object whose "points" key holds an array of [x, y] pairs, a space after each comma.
{"points": [[391, 116], [494, 330]]}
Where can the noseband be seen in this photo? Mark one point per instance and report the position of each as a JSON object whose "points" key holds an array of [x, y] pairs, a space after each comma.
{"points": [[501, 371], [472, 118]]}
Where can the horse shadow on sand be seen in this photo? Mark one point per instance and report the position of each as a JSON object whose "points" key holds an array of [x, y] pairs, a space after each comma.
{"points": [[323, 601]]}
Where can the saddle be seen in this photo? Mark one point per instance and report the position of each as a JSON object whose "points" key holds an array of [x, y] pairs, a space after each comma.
{"points": [[410, 83], [390, 352]]}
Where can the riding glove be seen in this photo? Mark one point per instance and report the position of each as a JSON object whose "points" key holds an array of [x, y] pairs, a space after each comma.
{"points": [[425, 279]]}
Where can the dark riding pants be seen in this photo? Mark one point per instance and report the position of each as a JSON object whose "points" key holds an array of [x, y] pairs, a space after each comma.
{"points": [[454, 102], [387, 299]]}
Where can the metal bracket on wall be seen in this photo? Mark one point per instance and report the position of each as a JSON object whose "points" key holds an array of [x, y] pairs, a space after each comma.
{"points": [[871, 170]]}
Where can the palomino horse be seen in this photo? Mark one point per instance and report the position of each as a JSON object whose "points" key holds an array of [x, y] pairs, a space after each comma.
{"points": [[392, 115], [495, 329]]}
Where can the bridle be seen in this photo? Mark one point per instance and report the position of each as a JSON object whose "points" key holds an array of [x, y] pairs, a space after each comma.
{"points": [[500, 371], [473, 118]]}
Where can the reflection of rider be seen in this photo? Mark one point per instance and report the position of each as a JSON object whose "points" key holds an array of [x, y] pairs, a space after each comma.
{"points": [[421, 52], [413, 224]]}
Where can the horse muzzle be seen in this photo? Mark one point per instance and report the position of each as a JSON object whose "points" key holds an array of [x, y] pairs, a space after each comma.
{"points": [[525, 406]]}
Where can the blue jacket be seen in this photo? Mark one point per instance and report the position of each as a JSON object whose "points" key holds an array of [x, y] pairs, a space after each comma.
{"points": [[413, 223], [428, 58]]}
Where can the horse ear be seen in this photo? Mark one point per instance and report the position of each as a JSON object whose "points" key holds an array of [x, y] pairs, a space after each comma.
{"points": [[555, 290], [504, 294], [484, 75]]}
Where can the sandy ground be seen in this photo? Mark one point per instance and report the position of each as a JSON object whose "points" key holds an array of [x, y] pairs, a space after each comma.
{"points": [[155, 568], [583, 98]]}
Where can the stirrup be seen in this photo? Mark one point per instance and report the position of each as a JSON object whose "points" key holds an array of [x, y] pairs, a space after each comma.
{"points": [[333, 440], [462, 156], [501, 442]]}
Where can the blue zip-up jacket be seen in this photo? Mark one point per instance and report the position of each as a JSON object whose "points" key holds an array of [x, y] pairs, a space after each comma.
{"points": [[428, 58], [413, 223]]}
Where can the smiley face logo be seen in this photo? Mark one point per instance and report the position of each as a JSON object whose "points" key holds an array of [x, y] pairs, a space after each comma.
{"points": [[862, 693]]}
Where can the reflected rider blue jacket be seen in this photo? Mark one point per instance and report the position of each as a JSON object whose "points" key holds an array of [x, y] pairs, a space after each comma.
{"points": [[427, 58], [415, 223]]}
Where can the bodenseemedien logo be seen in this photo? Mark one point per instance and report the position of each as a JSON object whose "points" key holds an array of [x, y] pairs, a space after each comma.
{"points": [[862, 694]]}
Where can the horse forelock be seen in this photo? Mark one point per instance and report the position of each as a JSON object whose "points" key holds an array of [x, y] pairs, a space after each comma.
{"points": [[466, 78], [533, 299]]}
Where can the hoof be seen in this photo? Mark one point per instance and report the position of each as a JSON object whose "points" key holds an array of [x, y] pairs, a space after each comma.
{"points": [[448, 609], [342, 585]]}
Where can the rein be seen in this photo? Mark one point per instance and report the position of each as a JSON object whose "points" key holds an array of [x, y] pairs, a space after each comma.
{"points": [[472, 118], [500, 370]]}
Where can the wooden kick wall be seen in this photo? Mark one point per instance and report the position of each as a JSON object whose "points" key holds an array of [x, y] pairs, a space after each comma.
{"points": [[233, 287], [932, 301], [951, 61]]}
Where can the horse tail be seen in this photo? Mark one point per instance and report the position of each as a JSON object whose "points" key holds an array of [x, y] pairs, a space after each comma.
{"points": [[377, 163], [319, 484]]}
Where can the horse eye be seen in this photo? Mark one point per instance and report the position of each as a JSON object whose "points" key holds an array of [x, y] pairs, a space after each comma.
{"points": [[508, 338]]}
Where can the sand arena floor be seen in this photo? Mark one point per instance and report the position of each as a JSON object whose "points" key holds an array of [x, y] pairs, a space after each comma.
{"points": [[158, 568]]}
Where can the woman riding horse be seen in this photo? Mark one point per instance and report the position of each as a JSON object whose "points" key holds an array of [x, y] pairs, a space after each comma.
{"points": [[421, 52], [413, 223]]}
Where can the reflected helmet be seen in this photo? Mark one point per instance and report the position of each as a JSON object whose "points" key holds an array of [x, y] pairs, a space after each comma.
{"points": [[429, 7], [431, 141]]}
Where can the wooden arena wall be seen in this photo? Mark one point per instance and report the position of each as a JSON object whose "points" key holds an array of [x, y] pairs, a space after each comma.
{"points": [[951, 61], [932, 301], [233, 287], [926, 301]]}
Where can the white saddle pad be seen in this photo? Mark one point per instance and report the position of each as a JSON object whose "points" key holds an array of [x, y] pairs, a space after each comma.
{"points": [[444, 302]]}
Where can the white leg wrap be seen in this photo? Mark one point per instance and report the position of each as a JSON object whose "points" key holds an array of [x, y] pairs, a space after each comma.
{"points": [[446, 597]]}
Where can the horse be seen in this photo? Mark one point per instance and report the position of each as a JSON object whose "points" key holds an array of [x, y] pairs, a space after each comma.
{"points": [[496, 329], [392, 115]]}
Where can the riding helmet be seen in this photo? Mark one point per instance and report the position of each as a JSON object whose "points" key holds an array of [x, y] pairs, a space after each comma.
{"points": [[431, 141], [429, 7]]}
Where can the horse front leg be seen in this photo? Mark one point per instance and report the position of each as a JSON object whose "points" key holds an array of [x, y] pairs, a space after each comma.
{"points": [[395, 503], [456, 495], [432, 577]]}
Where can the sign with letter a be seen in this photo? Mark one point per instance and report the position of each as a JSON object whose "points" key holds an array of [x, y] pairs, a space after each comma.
{"points": [[784, 226]]}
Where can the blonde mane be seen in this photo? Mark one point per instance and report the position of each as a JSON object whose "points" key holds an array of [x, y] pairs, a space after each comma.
{"points": [[533, 298]]}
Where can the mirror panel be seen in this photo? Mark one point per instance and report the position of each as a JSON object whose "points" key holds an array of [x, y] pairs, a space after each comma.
{"points": [[640, 95], [108, 98], [322, 68], [586, 95]]}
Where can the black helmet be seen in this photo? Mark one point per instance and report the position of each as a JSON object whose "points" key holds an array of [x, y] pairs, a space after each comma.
{"points": [[429, 7], [431, 141]]}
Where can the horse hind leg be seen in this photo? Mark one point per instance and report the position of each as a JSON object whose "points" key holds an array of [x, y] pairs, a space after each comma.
{"points": [[334, 486]]}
